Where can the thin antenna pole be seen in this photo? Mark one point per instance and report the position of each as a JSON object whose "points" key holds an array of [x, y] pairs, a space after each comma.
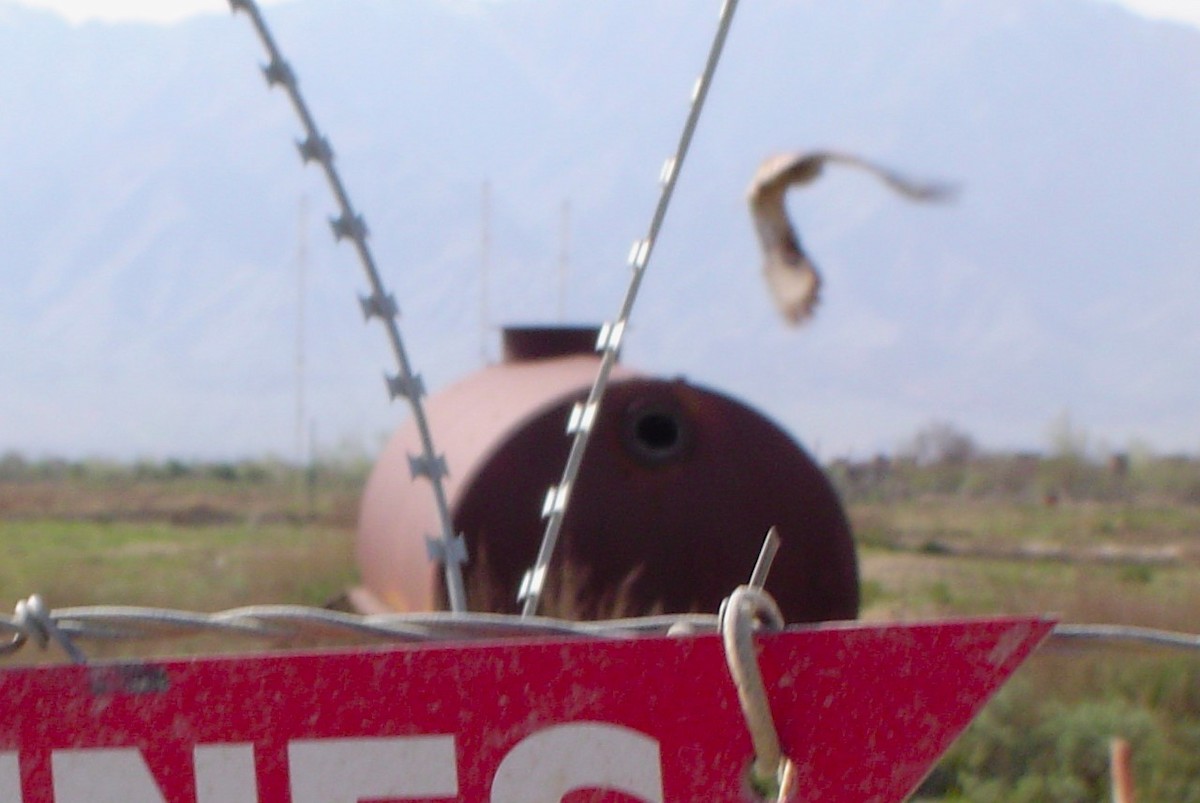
{"points": [[485, 269], [310, 472], [301, 292], [564, 259]]}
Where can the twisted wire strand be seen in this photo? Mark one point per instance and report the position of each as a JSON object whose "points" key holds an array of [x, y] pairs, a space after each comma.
{"points": [[108, 623], [1128, 634]]}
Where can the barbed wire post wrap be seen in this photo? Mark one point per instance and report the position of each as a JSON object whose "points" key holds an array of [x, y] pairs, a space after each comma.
{"points": [[583, 415], [448, 547]]}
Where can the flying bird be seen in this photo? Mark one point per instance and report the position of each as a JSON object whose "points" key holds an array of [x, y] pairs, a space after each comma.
{"points": [[791, 276]]}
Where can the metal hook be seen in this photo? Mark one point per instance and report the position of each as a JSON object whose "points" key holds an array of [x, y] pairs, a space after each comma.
{"points": [[746, 610]]}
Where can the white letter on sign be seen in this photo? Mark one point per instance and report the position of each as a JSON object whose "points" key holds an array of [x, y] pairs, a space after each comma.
{"points": [[548, 765], [103, 775], [225, 773], [10, 777], [349, 770]]}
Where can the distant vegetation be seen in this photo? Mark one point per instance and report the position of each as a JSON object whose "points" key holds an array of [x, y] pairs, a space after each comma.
{"points": [[942, 460], [343, 466], [264, 489]]}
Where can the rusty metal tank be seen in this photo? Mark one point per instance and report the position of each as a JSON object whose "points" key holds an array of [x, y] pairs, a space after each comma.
{"points": [[677, 490]]}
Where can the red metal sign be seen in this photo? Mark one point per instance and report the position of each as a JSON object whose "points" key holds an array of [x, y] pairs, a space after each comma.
{"points": [[863, 711]]}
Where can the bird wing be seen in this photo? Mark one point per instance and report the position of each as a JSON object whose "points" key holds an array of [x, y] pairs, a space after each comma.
{"points": [[791, 276], [914, 190]]}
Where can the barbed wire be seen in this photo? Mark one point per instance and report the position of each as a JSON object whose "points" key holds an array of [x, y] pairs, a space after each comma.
{"points": [[448, 548], [583, 414], [1128, 634], [33, 623]]}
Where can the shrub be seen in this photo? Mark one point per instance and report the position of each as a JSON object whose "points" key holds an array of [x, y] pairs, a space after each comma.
{"points": [[1046, 736]]}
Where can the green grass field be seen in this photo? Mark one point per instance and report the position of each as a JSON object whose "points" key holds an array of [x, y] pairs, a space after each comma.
{"points": [[169, 565], [1046, 735], [209, 543]]}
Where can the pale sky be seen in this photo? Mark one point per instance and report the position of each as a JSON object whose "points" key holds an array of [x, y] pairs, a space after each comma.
{"points": [[171, 10], [119, 10]]}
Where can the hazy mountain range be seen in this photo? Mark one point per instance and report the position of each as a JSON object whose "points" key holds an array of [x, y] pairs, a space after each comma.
{"points": [[151, 215]]}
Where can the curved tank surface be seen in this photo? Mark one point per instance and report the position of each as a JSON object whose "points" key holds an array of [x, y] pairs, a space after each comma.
{"points": [[676, 492]]}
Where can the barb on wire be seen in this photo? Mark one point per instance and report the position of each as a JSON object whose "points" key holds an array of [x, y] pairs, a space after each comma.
{"points": [[448, 548], [766, 557], [609, 342], [32, 620]]}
